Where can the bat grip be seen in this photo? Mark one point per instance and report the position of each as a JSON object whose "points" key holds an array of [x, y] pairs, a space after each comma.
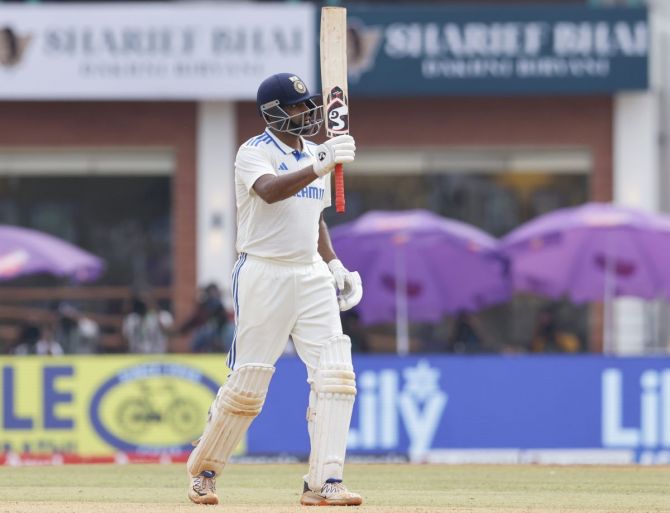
{"points": [[339, 189]]}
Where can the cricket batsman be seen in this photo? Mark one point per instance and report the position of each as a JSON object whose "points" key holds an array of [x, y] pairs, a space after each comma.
{"points": [[286, 282]]}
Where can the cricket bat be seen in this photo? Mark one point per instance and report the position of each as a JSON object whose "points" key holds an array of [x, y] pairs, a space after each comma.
{"points": [[334, 84]]}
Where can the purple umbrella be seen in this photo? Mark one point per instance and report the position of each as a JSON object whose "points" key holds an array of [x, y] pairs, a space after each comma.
{"points": [[416, 265], [581, 252], [592, 253], [24, 251]]}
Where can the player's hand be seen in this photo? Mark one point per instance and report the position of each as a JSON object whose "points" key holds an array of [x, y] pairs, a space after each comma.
{"points": [[338, 150], [349, 285]]}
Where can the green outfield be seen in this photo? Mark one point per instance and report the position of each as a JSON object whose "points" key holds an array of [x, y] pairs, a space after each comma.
{"points": [[246, 488]]}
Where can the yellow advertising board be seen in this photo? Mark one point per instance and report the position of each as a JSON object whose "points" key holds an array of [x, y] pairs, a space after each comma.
{"points": [[102, 405]]}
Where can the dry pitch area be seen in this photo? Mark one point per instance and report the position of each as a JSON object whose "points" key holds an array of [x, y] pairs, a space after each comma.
{"points": [[386, 488]]}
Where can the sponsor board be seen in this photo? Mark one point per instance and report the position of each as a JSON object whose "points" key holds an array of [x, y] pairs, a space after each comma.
{"points": [[440, 50], [579, 409], [430, 408], [103, 405], [151, 51]]}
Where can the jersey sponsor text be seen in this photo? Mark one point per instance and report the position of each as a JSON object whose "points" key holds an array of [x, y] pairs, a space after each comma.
{"points": [[311, 192]]}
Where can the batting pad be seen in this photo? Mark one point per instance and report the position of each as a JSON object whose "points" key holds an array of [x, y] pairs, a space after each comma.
{"points": [[237, 404], [335, 391]]}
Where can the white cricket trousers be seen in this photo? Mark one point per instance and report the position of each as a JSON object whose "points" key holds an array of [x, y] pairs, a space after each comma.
{"points": [[273, 300]]}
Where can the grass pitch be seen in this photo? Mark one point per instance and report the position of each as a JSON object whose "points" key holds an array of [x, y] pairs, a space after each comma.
{"points": [[246, 488]]}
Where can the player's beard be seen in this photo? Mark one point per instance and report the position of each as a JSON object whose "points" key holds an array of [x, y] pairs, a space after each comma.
{"points": [[303, 125]]}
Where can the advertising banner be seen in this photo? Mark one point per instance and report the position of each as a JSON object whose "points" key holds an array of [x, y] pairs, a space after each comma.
{"points": [[431, 50], [152, 51], [509, 408], [546, 409], [103, 405]]}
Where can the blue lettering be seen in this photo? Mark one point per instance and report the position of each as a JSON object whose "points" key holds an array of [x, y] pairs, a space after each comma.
{"points": [[311, 192], [11, 420], [52, 397]]}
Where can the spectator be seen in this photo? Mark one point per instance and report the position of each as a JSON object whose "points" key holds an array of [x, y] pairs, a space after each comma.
{"points": [[146, 327], [76, 333], [208, 323], [48, 345], [466, 335], [548, 338], [29, 334]]}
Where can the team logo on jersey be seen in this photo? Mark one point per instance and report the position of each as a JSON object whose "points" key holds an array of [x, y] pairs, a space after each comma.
{"points": [[337, 112], [298, 84]]}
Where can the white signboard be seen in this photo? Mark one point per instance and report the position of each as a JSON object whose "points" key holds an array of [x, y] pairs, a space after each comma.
{"points": [[152, 51]]}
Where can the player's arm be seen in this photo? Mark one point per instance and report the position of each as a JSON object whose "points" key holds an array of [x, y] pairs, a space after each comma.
{"points": [[325, 246], [273, 188]]}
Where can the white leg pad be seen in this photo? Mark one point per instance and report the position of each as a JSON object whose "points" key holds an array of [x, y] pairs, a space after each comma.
{"points": [[236, 405], [335, 390], [311, 413]]}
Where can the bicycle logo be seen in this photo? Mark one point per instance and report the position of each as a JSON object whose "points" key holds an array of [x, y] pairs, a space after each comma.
{"points": [[158, 405]]}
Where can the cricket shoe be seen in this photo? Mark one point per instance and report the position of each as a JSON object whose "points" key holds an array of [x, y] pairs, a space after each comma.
{"points": [[203, 488], [332, 493]]}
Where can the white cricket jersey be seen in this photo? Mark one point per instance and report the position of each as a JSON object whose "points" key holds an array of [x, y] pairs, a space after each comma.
{"points": [[287, 230]]}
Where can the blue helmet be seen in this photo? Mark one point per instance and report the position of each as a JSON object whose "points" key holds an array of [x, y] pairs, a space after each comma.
{"points": [[281, 90]]}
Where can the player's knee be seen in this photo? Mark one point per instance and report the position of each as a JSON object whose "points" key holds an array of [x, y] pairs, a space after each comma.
{"points": [[335, 374], [336, 351], [245, 391]]}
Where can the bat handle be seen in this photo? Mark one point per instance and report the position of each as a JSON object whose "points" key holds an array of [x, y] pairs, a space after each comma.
{"points": [[339, 189]]}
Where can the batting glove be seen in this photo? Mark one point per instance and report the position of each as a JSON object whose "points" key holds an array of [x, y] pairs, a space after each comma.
{"points": [[349, 285], [338, 150]]}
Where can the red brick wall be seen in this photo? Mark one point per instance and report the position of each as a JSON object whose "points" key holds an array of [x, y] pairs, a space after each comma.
{"points": [[117, 124], [514, 121]]}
